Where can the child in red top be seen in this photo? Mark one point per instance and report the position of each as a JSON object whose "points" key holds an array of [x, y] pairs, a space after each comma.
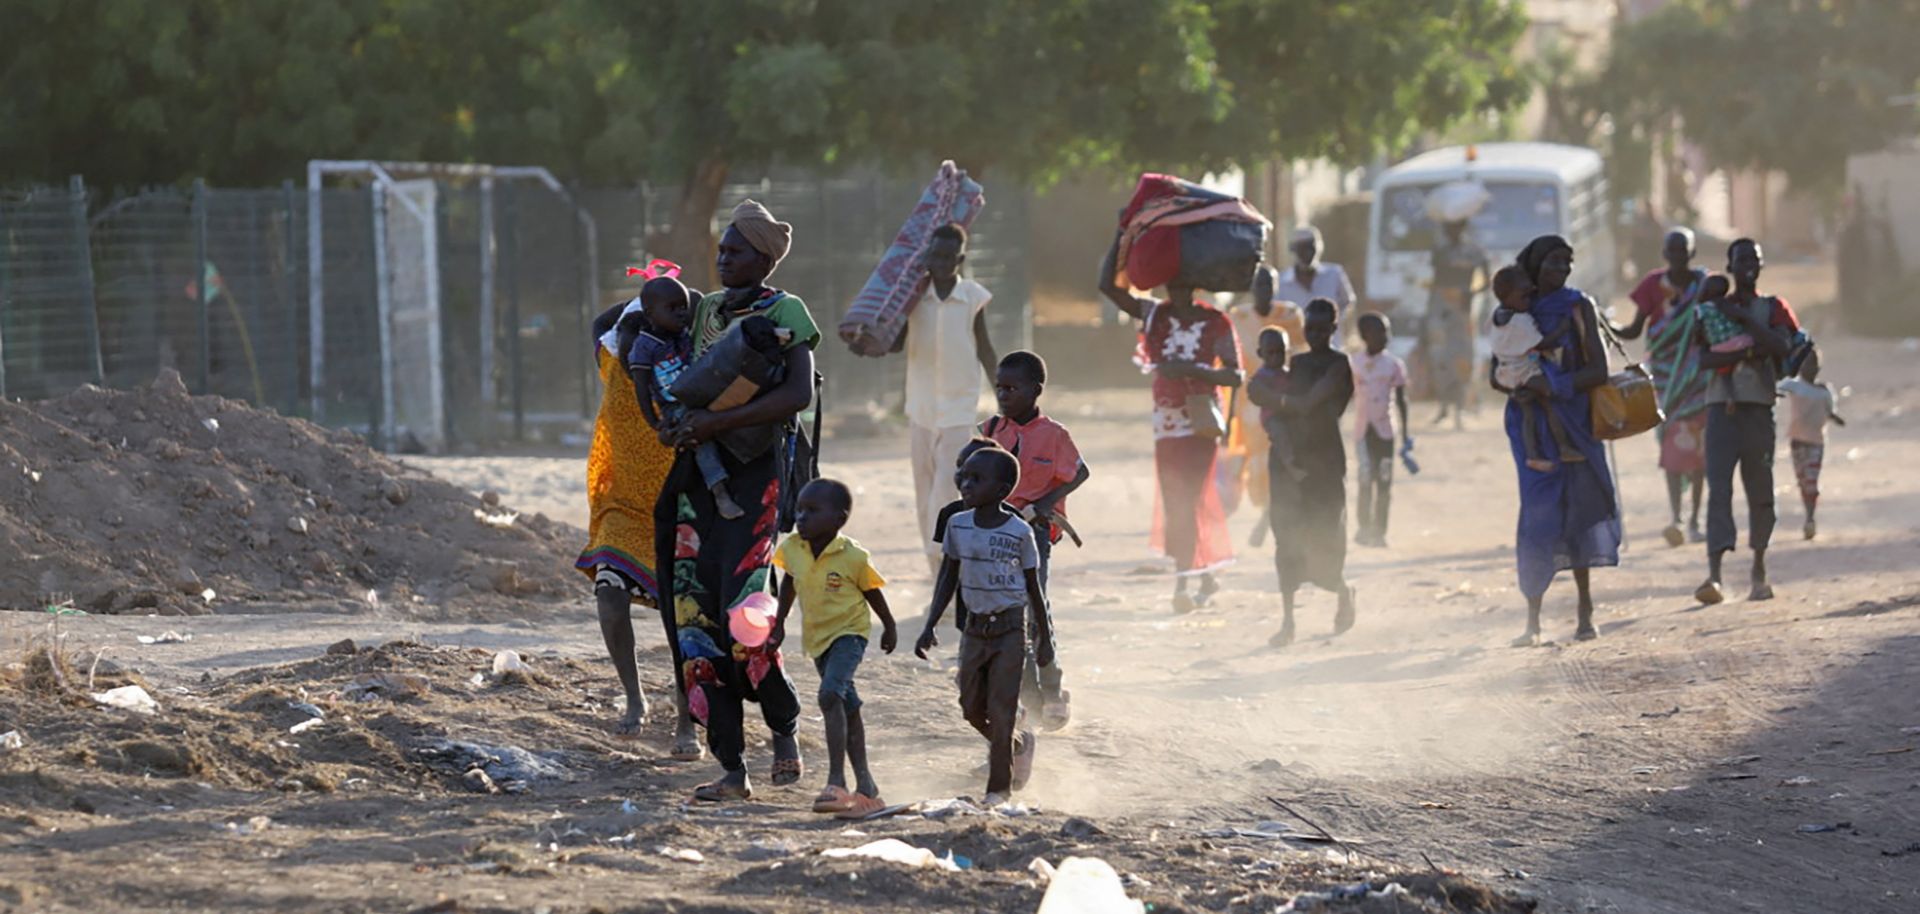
{"points": [[1050, 470]]}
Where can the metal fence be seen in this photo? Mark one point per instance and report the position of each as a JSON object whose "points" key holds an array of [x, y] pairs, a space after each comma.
{"points": [[213, 282]]}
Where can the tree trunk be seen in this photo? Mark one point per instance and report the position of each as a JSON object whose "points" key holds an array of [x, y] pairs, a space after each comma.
{"points": [[688, 240]]}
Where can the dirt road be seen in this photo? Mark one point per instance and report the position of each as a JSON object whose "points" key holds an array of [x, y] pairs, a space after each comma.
{"points": [[1746, 757]]}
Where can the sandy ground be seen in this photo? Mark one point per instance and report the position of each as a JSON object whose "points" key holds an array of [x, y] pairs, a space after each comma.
{"points": [[1746, 757]]}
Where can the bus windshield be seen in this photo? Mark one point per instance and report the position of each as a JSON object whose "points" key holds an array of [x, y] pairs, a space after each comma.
{"points": [[1516, 214]]}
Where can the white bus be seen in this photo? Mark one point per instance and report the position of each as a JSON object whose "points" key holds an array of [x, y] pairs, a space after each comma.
{"points": [[1536, 189]]}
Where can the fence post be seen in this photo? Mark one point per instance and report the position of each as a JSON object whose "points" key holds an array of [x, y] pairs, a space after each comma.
{"points": [[202, 314], [489, 400], [382, 427], [4, 247], [513, 311], [288, 288], [77, 189], [316, 299]]}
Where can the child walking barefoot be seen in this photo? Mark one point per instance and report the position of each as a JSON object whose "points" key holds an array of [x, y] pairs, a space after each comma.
{"points": [[1809, 406], [991, 555], [833, 580], [1379, 385], [1517, 350], [1050, 470]]}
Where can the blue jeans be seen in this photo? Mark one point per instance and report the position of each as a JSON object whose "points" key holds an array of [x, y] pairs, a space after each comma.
{"points": [[837, 666]]}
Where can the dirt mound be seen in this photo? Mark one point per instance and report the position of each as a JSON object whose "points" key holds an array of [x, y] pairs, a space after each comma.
{"points": [[143, 501], [368, 720]]}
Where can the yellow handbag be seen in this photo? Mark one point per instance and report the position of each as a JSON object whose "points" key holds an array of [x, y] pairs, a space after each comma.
{"points": [[1627, 403]]}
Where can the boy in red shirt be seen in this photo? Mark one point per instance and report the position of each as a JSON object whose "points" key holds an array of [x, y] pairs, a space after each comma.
{"points": [[1050, 470]]}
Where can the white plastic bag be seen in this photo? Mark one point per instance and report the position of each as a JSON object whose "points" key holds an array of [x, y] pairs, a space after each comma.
{"points": [[894, 850], [132, 698], [1457, 201], [1087, 885]]}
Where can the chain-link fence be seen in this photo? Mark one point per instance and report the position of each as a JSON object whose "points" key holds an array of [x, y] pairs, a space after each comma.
{"points": [[215, 283]]}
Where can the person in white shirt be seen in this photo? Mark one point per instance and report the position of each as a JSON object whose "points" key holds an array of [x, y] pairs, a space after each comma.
{"points": [[948, 353], [1310, 279], [1809, 406]]}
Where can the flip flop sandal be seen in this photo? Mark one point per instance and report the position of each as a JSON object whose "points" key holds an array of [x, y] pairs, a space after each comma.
{"points": [[721, 792], [833, 801], [787, 771], [862, 807]]}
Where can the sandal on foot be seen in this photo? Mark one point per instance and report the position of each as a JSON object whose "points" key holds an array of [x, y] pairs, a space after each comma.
{"points": [[1183, 604], [1526, 639], [787, 771], [1675, 536], [833, 800], [1709, 594], [861, 806], [721, 792]]}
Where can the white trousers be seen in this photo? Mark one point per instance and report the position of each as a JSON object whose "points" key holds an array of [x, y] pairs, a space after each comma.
{"points": [[934, 453]]}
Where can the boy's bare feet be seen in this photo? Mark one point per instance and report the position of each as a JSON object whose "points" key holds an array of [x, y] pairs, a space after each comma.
{"points": [[724, 503], [1343, 619], [1586, 633], [1809, 531], [1693, 533], [1283, 637], [1183, 604], [1709, 594], [1761, 590], [1540, 465], [1528, 638], [1208, 587], [994, 800]]}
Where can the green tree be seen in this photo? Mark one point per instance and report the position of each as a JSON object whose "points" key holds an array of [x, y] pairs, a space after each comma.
{"points": [[693, 91], [1026, 90], [1788, 85]]}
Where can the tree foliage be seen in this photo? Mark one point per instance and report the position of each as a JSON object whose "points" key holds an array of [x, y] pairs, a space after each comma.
{"points": [[1792, 85], [687, 92]]}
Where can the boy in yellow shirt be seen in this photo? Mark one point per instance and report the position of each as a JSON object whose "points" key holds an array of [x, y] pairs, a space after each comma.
{"points": [[833, 579]]}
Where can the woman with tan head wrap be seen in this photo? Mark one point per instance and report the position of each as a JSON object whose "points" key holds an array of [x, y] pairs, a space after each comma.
{"points": [[718, 563]]}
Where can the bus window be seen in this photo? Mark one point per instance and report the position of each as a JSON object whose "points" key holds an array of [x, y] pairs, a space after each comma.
{"points": [[1515, 215]]}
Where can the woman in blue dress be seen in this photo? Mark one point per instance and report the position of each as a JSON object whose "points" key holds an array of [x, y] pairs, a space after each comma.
{"points": [[1569, 515]]}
